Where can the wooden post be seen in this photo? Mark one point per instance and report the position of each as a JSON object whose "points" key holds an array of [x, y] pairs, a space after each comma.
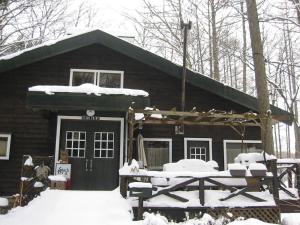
{"points": [[201, 191], [297, 176], [130, 134], [275, 183], [140, 209], [123, 186]]}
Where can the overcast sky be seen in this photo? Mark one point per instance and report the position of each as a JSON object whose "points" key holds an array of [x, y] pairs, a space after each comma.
{"points": [[111, 13]]}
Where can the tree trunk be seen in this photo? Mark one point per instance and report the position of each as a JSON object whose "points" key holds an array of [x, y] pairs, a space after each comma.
{"points": [[209, 41], [244, 48], [215, 48], [260, 77]]}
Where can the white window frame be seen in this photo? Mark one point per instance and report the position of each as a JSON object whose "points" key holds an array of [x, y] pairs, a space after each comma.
{"points": [[78, 148], [200, 154], [97, 75], [163, 140], [8, 136], [235, 141], [209, 140], [104, 149]]}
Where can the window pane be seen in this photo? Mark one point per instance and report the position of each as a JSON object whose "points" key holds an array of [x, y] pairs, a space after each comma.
{"points": [[234, 149], [82, 78], [3, 146], [111, 80], [157, 154]]}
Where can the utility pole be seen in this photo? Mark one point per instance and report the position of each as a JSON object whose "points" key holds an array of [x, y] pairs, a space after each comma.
{"points": [[185, 27]]}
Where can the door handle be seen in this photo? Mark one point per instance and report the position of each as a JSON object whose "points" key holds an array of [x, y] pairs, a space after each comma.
{"points": [[91, 165], [86, 165]]}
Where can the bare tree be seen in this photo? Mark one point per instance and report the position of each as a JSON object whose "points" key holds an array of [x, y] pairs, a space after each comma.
{"points": [[260, 77]]}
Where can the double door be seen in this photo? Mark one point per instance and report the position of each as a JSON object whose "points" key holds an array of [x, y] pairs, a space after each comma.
{"points": [[94, 153]]}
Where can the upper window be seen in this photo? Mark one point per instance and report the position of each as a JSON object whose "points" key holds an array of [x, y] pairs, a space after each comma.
{"points": [[102, 78], [158, 152], [4, 146]]}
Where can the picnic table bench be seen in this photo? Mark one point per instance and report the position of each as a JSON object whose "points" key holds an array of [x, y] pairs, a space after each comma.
{"points": [[200, 178]]}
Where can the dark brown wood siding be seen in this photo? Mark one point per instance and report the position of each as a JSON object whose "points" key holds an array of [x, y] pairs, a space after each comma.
{"points": [[34, 132]]}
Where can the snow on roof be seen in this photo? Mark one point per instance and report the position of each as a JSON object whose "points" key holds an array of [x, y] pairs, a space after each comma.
{"points": [[87, 89], [46, 43]]}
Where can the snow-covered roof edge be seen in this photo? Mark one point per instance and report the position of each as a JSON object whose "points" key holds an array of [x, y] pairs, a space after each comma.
{"points": [[87, 89]]}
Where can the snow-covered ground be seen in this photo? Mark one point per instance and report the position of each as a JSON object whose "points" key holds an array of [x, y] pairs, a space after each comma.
{"points": [[100, 207], [72, 208]]}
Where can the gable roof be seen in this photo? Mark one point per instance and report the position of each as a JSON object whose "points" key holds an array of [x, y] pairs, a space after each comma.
{"points": [[69, 43]]}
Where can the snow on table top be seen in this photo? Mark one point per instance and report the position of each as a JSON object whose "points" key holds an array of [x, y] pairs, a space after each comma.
{"points": [[288, 160], [140, 185], [212, 199], [61, 207], [87, 89], [236, 166], [257, 166]]}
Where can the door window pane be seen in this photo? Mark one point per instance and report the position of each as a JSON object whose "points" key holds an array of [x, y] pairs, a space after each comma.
{"points": [[83, 78], [157, 153], [104, 145], [75, 144], [198, 153], [4, 146]]}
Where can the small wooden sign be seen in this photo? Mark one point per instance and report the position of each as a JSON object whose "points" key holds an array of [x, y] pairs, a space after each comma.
{"points": [[63, 169]]}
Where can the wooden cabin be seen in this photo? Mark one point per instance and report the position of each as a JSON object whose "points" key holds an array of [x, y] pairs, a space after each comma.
{"points": [[93, 128]]}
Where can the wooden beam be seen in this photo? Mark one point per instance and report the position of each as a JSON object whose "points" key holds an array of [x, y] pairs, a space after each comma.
{"points": [[200, 123]]}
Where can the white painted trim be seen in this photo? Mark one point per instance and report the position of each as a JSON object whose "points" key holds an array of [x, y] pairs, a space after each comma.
{"points": [[225, 141], [8, 136], [97, 74], [198, 139], [58, 127], [163, 139]]}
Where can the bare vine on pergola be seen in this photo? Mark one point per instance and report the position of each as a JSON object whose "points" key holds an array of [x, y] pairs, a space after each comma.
{"points": [[238, 122]]}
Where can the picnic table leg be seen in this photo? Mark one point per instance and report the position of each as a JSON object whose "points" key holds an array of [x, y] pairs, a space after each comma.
{"points": [[123, 186], [140, 209], [201, 191], [275, 183]]}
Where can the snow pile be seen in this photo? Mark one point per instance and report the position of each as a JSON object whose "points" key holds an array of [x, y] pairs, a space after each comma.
{"points": [[87, 89], [206, 219], [250, 222], [38, 184], [72, 207], [132, 168], [28, 161], [190, 165], [247, 158], [290, 219], [3, 202], [141, 116], [57, 178], [154, 219]]}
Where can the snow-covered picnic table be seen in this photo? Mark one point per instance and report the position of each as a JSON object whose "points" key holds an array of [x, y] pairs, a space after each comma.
{"points": [[202, 179]]}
